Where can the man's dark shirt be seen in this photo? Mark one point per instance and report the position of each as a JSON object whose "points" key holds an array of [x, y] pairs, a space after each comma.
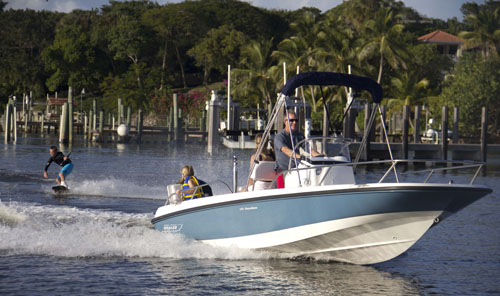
{"points": [[282, 139], [59, 159]]}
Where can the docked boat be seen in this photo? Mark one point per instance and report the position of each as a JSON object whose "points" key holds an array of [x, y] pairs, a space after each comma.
{"points": [[325, 211]]}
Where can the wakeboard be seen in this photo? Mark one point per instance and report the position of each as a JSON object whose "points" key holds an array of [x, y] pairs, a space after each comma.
{"points": [[59, 189]]}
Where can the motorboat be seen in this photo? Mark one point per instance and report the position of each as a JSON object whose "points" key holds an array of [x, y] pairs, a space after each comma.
{"points": [[327, 210]]}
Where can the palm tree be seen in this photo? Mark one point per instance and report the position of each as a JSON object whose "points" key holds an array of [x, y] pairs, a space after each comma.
{"points": [[407, 89], [302, 49], [338, 49], [296, 51], [486, 30], [258, 77], [384, 40]]}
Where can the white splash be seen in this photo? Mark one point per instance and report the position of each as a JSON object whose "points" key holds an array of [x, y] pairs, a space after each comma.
{"points": [[10, 216], [72, 232], [115, 188]]}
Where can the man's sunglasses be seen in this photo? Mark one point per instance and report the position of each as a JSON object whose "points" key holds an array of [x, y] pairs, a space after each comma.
{"points": [[293, 120]]}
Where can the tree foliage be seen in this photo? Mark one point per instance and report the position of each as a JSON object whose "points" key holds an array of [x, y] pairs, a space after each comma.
{"points": [[141, 51], [485, 23], [473, 84], [219, 48]]}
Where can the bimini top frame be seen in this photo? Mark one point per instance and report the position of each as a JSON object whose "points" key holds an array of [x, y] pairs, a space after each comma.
{"points": [[325, 79], [331, 78]]}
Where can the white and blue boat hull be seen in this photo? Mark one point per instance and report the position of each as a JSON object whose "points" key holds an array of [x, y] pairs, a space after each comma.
{"points": [[361, 224]]}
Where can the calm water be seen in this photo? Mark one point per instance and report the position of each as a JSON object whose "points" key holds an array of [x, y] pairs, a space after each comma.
{"points": [[100, 240]]}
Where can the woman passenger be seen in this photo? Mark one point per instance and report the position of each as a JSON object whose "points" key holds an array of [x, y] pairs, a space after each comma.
{"points": [[188, 181], [265, 155]]}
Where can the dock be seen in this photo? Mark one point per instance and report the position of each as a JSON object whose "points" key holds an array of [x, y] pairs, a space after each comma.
{"points": [[61, 119]]}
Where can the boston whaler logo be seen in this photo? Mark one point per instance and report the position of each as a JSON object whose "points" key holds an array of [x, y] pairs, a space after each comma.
{"points": [[249, 208], [172, 227]]}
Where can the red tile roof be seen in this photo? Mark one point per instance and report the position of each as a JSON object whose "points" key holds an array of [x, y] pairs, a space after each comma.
{"points": [[59, 101], [440, 37]]}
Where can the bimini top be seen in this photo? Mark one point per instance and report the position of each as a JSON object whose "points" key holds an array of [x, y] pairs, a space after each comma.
{"points": [[331, 78]]}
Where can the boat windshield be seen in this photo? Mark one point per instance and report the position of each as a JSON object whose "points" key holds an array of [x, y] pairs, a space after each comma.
{"points": [[337, 147]]}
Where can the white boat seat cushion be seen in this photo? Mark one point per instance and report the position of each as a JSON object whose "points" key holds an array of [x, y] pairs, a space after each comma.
{"points": [[264, 171]]}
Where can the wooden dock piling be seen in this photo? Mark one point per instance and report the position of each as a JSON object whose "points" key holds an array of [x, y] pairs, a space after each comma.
{"points": [[381, 129], [94, 106], [444, 133], [63, 124], [24, 106], [171, 119], [70, 114], [213, 123], [25, 124], [91, 117], [352, 123], [30, 105], [101, 123], [406, 121], [119, 112], [455, 125], [175, 117], [280, 119], [484, 134], [203, 122], [94, 118], [326, 120], [42, 128], [416, 131], [129, 112], [139, 126], [367, 133], [14, 121], [85, 125], [7, 122]]}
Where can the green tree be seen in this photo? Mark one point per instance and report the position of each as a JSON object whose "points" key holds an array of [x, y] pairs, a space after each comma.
{"points": [[426, 62], [126, 40], [257, 79], [475, 83], [221, 47], [301, 49], [384, 40], [338, 49], [24, 35], [71, 57], [407, 89], [485, 23], [175, 23]]}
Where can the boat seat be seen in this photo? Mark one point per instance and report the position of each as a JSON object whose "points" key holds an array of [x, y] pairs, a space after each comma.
{"points": [[263, 175], [340, 158]]}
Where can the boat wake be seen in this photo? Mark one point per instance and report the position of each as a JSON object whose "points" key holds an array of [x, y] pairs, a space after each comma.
{"points": [[115, 188], [71, 232]]}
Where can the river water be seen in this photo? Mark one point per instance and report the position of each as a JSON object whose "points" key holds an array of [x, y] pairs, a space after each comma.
{"points": [[99, 239]]}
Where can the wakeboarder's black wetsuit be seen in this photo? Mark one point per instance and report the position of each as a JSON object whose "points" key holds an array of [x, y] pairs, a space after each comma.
{"points": [[59, 159]]}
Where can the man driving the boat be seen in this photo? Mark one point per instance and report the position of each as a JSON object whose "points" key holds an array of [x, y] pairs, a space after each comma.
{"points": [[189, 181], [284, 149]]}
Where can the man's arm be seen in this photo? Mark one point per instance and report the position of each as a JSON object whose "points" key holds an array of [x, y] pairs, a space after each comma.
{"points": [[289, 152], [46, 168], [316, 153]]}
